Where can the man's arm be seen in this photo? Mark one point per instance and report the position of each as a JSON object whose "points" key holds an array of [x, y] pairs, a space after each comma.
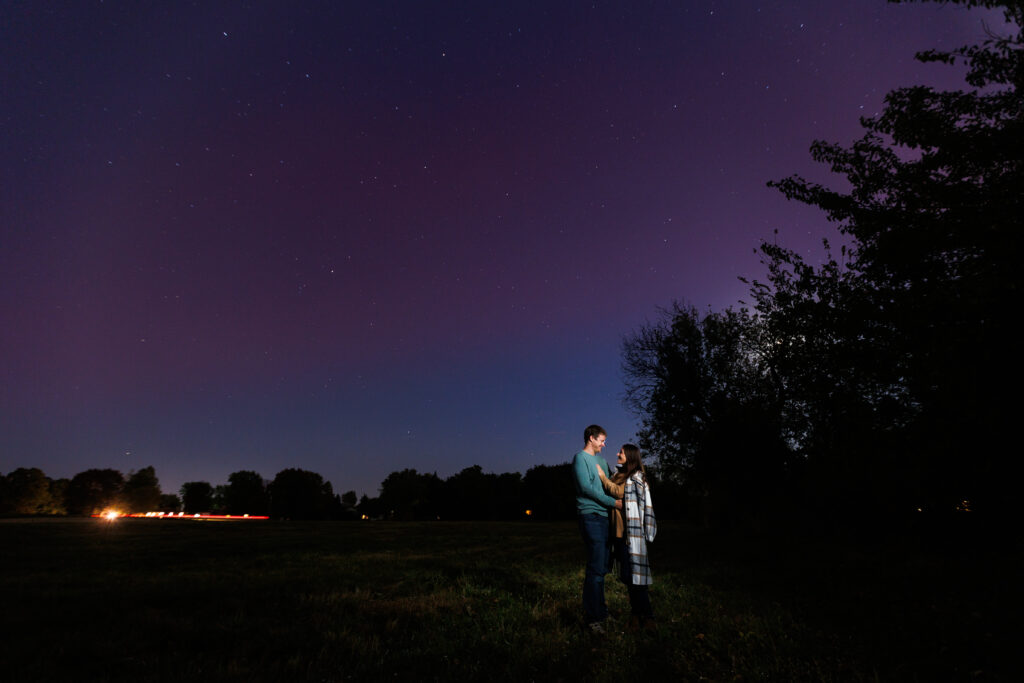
{"points": [[587, 482]]}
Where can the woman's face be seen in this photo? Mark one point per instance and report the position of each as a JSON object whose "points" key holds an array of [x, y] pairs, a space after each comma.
{"points": [[620, 457]]}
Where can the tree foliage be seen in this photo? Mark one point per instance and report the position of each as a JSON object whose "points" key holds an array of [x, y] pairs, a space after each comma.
{"points": [[197, 497], [548, 492], [408, 495], [301, 494], [28, 491], [474, 494], [900, 353], [470, 494], [92, 491], [682, 371], [879, 378], [709, 408], [169, 502], [246, 493], [142, 491]]}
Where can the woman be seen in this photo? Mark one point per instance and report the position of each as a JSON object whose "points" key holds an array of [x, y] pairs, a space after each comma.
{"points": [[635, 526]]}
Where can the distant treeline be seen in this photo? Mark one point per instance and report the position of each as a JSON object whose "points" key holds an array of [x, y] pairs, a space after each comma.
{"points": [[545, 492]]}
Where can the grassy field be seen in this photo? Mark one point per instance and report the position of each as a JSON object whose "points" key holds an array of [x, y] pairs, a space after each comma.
{"points": [[150, 600]]}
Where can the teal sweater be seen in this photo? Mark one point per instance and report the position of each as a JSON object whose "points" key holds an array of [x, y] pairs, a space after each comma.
{"points": [[590, 495]]}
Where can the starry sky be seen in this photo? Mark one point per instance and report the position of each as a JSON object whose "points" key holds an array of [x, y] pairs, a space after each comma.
{"points": [[359, 237]]}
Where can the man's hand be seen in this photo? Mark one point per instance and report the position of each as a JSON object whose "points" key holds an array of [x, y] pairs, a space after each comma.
{"points": [[618, 504]]}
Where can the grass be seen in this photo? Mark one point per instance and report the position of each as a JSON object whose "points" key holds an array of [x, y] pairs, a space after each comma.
{"points": [[151, 600]]}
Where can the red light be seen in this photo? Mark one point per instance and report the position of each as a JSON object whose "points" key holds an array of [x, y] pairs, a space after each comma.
{"points": [[195, 517]]}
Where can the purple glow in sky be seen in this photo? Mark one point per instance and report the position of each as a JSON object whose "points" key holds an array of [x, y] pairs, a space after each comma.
{"points": [[355, 238]]}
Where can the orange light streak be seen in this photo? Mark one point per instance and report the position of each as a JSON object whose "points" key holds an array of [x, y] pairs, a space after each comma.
{"points": [[111, 515]]}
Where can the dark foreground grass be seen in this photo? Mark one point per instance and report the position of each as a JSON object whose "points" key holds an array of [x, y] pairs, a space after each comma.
{"points": [[149, 600]]}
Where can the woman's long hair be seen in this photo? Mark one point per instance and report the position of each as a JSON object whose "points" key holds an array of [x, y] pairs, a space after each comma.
{"points": [[633, 463]]}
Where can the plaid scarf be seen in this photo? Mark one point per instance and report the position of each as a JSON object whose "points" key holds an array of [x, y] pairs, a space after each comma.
{"points": [[641, 527]]}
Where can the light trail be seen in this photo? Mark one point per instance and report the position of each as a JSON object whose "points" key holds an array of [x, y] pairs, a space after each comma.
{"points": [[111, 515]]}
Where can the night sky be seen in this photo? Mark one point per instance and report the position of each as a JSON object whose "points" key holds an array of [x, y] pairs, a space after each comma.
{"points": [[360, 237]]}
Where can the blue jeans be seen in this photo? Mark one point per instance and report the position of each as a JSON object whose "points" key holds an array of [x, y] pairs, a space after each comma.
{"points": [[594, 529]]}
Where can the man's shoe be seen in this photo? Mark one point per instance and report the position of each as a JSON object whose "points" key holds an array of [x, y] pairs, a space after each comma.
{"points": [[596, 627]]}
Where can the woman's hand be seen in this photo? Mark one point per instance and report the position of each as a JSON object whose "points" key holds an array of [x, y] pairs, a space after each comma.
{"points": [[611, 488]]}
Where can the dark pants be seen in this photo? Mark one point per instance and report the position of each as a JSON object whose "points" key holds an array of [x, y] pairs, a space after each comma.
{"points": [[639, 600], [594, 529]]}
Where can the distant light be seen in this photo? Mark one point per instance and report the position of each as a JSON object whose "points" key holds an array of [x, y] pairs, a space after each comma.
{"points": [[529, 512], [114, 514]]}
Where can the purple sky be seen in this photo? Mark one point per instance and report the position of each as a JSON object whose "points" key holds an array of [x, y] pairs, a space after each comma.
{"points": [[354, 239]]}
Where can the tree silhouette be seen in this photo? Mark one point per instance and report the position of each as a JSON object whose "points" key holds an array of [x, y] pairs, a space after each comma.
{"points": [[28, 491], [898, 353], [710, 413], [169, 502], [196, 496], [370, 508], [142, 491], [410, 495], [300, 494], [548, 492], [92, 491], [474, 494], [246, 493]]}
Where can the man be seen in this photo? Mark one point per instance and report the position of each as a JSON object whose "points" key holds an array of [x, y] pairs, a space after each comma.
{"points": [[592, 508]]}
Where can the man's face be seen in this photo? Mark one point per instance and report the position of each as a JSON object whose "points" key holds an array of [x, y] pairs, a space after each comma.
{"points": [[597, 442]]}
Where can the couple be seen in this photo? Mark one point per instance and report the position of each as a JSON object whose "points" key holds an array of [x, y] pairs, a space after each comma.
{"points": [[601, 504]]}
